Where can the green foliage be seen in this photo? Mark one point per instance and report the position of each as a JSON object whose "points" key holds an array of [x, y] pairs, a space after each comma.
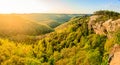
{"points": [[108, 14], [73, 44], [109, 43], [16, 54], [117, 37], [21, 27], [67, 45], [51, 61], [93, 58]]}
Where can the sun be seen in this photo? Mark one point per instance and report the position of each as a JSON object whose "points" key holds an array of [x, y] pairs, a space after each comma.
{"points": [[23, 6]]}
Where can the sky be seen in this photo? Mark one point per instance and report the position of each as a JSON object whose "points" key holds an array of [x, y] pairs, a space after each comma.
{"points": [[58, 6]]}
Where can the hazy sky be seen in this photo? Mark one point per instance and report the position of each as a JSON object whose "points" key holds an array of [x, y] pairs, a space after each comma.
{"points": [[57, 6]]}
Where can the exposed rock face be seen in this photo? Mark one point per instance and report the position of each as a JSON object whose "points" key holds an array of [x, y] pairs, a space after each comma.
{"points": [[103, 27], [112, 26], [114, 56], [107, 28], [92, 21]]}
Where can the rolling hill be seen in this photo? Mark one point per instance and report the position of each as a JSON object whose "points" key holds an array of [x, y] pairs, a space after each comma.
{"points": [[30, 24], [85, 40], [23, 27], [52, 20], [11, 25]]}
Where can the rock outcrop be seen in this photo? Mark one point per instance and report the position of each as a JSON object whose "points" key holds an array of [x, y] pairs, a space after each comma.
{"points": [[114, 56], [107, 28], [103, 27]]}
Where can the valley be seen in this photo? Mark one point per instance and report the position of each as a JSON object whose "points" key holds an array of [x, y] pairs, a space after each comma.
{"points": [[27, 26], [82, 40]]}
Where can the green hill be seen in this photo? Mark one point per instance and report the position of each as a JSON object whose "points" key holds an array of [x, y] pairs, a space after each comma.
{"points": [[30, 24], [52, 20], [83, 40], [11, 25]]}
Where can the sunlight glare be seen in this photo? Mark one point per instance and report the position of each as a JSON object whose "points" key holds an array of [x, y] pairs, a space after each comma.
{"points": [[22, 6]]}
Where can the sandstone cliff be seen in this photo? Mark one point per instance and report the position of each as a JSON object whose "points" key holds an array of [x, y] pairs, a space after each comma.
{"points": [[103, 27]]}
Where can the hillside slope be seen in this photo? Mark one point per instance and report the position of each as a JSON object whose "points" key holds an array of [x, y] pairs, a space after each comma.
{"points": [[44, 22], [52, 20], [11, 25], [76, 43], [23, 27], [82, 41]]}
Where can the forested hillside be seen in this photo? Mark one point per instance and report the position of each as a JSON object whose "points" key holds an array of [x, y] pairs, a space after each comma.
{"points": [[83, 40], [52, 20], [11, 25], [23, 27]]}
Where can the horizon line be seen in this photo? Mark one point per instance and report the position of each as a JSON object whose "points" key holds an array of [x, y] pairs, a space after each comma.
{"points": [[46, 13]]}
